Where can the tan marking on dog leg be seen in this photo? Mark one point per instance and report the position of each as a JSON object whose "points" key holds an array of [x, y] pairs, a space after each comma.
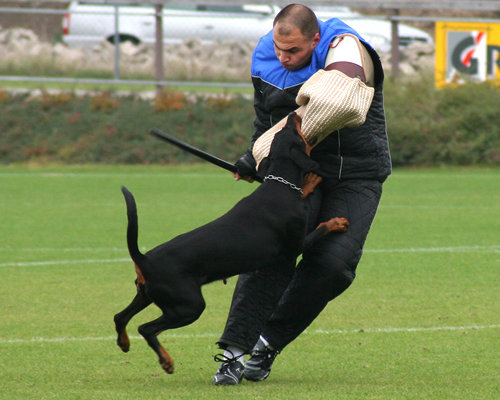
{"points": [[123, 341], [140, 277], [311, 180], [166, 362], [335, 225]]}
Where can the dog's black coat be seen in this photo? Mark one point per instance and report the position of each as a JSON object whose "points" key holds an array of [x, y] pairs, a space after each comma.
{"points": [[266, 228]]}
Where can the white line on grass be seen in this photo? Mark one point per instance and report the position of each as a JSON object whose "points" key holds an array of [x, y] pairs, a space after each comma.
{"points": [[204, 335], [62, 262], [456, 249], [488, 174], [436, 207], [415, 329], [160, 174], [64, 249]]}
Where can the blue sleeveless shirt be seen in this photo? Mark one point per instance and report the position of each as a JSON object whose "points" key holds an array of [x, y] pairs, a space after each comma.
{"points": [[266, 66]]}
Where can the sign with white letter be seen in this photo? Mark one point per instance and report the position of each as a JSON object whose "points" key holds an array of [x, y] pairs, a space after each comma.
{"points": [[467, 52]]}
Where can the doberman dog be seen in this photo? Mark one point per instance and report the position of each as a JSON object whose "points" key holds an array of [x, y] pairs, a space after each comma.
{"points": [[266, 228]]}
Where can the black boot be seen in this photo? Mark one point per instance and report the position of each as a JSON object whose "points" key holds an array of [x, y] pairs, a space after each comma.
{"points": [[230, 371], [258, 367]]}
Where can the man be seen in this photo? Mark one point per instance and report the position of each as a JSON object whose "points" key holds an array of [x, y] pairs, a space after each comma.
{"points": [[336, 78]]}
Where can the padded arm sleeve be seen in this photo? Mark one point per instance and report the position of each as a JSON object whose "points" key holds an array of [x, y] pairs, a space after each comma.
{"points": [[332, 101]]}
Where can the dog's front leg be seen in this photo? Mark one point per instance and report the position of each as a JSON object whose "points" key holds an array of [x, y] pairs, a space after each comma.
{"points": [[334, 225], [311, 180], [324, 228]]}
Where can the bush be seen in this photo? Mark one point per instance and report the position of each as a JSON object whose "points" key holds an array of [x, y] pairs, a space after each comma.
{"points": [[426, 126], [105, 128], [457, 125]]}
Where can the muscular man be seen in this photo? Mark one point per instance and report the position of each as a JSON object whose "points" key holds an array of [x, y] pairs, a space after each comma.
{"points": [[333, 79]]}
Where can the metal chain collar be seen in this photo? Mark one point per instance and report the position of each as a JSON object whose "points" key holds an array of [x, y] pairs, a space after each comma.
{"points": [[284, 181]]}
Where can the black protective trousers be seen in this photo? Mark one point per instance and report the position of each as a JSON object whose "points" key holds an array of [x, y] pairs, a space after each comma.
{"points": [[282, 301]]}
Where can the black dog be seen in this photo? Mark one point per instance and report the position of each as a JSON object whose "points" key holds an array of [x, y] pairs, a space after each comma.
{"points": [[263, 229]]}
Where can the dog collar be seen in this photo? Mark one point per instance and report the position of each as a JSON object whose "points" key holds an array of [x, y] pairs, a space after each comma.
{"points": [[284, 181]]}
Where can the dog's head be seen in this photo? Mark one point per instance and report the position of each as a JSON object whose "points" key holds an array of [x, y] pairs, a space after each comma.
{"points": [[289, 143]]}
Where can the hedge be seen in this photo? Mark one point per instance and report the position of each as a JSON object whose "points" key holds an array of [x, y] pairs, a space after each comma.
{"points": [[426, 126]]}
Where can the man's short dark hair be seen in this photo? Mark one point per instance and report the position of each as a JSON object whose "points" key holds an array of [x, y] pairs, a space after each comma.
{"points": [[299, 16]]}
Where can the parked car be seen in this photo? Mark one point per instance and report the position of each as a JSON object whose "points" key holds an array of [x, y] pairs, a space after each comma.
{"points": [[87, 23], [377, 31]]}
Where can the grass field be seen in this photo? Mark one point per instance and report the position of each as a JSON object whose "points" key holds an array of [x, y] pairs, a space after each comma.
{"points": [[421, 321]]}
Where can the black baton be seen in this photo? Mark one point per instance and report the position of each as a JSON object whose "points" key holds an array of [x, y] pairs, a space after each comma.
{"points": [[198, 152]]}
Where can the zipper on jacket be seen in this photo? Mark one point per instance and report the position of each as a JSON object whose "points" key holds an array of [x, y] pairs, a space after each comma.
{"points": [[338, 152]]}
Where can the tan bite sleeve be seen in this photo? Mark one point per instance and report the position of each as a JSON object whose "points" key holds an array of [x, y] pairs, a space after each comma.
{"points": [[332, 101], [262, 145], [329, 100]]}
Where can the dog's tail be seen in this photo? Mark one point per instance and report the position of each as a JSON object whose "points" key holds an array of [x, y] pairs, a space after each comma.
{"points": [[132, 227]]}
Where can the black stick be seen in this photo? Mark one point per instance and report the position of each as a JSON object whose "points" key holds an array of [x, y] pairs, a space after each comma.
{"points": [[197, 152], [194, 150]]}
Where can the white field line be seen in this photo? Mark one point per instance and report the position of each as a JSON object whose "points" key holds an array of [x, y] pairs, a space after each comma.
{"points": [[65, 249], [110, 175], [457, 249], [164, 174], [124, 249], [210, 335], [63, 262], [438, 207]]}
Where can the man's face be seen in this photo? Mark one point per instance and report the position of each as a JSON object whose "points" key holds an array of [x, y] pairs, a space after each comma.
{"points": [[293, 50]]}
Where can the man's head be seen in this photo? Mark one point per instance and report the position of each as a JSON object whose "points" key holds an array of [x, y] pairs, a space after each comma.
{"points": [[295, 35]]}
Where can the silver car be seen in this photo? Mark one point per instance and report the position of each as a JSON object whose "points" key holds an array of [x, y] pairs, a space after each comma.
{"points": [[86, 24]]}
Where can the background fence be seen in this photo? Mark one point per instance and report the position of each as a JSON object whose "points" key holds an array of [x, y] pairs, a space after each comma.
{"points": [[45, 56]]}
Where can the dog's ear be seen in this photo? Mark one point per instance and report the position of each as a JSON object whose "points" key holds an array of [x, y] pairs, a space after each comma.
{"points": [[298, 154], [303, 160], [293, 121], [263, 168]]}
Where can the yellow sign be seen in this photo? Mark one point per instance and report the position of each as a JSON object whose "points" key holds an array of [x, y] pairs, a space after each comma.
{"points": [[467, 51]]}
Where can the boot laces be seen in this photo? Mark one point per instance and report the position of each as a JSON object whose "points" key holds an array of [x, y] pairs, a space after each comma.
{"points": [[226, 361]]}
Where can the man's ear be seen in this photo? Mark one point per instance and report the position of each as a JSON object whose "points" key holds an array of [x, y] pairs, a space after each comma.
{"points": [[316, 39], [303, 160]]}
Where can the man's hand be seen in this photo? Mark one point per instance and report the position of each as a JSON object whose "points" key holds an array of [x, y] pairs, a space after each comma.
{"points": [[237, 177], [245, 168]]}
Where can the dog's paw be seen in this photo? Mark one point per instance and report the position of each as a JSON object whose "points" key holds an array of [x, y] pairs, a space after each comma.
{"points": [[336, 224], [123, 342], [311, 180], [166, 362], [167, 367]]}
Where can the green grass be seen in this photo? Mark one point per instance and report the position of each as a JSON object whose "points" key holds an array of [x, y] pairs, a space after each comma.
{"points": [[421, 321]]}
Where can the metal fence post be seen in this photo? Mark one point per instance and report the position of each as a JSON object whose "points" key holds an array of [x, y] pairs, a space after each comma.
{"points": [[395, 44], [116, 40], [159, 71]]}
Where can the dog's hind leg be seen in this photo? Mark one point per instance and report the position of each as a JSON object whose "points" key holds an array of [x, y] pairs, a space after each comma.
{"points": [[150, 331], [139, 303], [184, 312]]}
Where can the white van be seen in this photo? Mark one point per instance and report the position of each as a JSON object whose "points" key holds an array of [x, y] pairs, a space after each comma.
{"points": [[87, 24]]}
